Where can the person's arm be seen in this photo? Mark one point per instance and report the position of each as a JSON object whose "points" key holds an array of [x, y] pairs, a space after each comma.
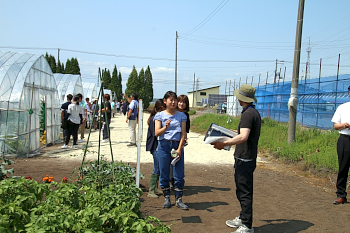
{"points": [[127, 98], [183, 137], [62, 115], [339, 126], [158, 127], [238, 139]]}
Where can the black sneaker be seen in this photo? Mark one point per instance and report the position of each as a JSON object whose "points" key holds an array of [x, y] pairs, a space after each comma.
{"points": [[131, 144]]}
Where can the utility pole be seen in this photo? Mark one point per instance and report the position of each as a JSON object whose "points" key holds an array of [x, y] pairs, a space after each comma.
{"points": [[293, 100], [194, 84], [197, 90], [176, 64], [308, 50], [58, 58], [274, 81]]}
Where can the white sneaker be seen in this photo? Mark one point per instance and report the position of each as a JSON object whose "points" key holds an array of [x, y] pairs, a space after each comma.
{"points": [[80, 140], [237, 222], [64, 147], [74, 146], [104, 140], [244, 229]]}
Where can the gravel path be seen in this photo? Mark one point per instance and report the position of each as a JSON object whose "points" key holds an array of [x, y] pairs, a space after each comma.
{"points": [[196, 152]]}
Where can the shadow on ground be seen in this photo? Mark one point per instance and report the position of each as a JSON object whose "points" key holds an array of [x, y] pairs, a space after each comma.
{"points": [[283, 225]]}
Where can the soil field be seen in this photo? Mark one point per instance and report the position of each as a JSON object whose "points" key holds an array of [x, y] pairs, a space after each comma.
{"points": [[285, 200]]}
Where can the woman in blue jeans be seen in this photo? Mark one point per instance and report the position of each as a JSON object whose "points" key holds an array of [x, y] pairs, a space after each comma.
{"points": [[170, 128], [151, 145]]}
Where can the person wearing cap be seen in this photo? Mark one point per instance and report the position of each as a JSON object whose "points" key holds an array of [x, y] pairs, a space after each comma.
{"points": [[341, 120], [245, 156]]}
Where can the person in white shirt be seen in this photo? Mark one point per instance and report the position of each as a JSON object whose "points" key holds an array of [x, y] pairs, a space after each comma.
{"points": [[74, 112], [341, 120]]}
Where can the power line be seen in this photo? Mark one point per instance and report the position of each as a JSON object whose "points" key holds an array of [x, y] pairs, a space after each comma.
{"points": [[211, 15]]}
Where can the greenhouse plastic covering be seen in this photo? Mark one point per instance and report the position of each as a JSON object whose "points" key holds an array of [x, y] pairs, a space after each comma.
{"points": [[26, 81], [89, 90], [318, 99], [68, 84]]}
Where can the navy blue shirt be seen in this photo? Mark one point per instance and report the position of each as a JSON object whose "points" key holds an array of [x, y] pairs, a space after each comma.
{"points": [[152, 142], [64, 108]]}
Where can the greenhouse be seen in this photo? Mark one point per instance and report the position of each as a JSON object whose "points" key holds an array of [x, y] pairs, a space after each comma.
{"points": [[68, 84], [29, 113], [89, 90]]}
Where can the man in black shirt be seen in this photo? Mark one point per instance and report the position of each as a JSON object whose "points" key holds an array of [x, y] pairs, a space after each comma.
{"points": [[245, 156], [107, 120], [64, 108]]}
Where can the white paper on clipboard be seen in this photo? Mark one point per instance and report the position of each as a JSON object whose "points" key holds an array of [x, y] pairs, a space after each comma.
{"points": [[213, 139]]}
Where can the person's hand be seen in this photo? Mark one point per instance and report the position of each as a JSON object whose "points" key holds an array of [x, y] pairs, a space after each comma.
{"points": [[127, 120], [178, 152], [346, 125], [218, 145], [84, 120], [167, 123]]}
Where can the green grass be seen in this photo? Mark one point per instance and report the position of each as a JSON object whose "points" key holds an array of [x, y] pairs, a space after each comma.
{"points": [[314, 147], [192, 112]]}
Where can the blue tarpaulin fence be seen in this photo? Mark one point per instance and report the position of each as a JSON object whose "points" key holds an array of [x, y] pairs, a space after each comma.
{"points": [[318, 100]]}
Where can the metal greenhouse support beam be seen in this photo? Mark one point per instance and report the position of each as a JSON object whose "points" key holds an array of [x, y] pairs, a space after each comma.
{"points": [[293, 100]]}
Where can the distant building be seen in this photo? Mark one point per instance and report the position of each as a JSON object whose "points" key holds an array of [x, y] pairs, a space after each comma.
{"points": [[200, 97]]}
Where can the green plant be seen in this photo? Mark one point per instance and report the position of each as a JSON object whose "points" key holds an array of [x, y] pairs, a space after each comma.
{"points": [[3, 170], [192, 112], [42, 118], [29, 206]]}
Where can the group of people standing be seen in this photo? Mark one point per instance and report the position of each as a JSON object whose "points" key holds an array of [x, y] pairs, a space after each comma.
{"points": [[79, 114], [169, 124]]}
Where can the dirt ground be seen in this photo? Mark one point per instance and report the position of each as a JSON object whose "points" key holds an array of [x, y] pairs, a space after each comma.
{"points": [[285, 200]]}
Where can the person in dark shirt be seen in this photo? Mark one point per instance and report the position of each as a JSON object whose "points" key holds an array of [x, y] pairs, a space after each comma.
{"points": [[245, 156], [107, 120], [125, 107], [151, 145], [64, 115]]}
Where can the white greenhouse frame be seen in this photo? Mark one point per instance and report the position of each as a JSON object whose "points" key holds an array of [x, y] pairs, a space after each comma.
{"points": [[68, 84], [25, 81]]}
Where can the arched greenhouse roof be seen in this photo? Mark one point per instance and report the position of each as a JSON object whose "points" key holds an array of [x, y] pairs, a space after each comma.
{"points": [[28, 94], [89, 90], [68, 84]]}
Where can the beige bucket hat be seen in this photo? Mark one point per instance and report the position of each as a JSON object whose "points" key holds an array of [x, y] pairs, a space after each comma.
{"points": [[246, 93]]}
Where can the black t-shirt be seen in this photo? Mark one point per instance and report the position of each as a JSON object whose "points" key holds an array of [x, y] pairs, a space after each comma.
{"points": [[250, 119], [64, 108], [109, 114]]}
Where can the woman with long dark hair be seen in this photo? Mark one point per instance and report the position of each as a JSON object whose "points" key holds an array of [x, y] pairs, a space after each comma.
{"points": [[170, 127], [151, 145]]}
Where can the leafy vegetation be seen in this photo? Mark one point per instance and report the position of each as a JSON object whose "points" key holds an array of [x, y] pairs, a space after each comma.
{"points": [[315, 148], [104, 200], [192, 112]]}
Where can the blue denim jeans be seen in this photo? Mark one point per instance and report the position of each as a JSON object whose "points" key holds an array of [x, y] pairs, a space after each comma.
{"points": [[155, 162], [164, 158]]}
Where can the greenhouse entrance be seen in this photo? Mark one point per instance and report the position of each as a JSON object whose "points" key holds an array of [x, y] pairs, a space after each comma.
{"points": [[26, 80]]}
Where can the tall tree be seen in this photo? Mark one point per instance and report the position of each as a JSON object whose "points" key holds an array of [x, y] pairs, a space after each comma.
{"points": [[148, 87], [106, 77], [119, 86], [52, 62], [68, 69], [132, 83], [114, 82], [59, 67], [141, 84]]}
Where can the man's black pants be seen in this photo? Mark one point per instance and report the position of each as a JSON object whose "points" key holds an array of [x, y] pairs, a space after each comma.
{"points": [[104, 129], [244, 189], [72, 130], [343, 150]]}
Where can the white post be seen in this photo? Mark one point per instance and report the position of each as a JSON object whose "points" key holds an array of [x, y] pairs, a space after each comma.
{"points": [[139, 144]]}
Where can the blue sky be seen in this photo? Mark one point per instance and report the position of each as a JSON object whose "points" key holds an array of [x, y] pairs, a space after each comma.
{"points": [[242, 39]]}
